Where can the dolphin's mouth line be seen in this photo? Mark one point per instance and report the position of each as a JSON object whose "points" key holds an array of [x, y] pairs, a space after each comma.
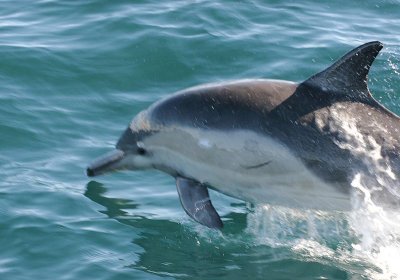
{"points": [[257, 165]]}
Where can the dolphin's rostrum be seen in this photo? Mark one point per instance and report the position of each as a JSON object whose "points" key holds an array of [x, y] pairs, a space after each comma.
{"points": [[268, 141]]}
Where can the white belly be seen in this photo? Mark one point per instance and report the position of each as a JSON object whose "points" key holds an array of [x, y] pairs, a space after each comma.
{"points": [[245, 165]]}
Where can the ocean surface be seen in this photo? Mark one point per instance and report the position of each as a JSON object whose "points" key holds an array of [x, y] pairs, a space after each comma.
{"points": [[72, 76]]}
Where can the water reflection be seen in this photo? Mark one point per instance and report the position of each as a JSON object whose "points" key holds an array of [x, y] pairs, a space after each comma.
{"points": [[95, 191], [190, 250]]}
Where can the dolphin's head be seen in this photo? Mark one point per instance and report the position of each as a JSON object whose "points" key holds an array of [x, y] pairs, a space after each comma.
{"points": [[130, 151]]}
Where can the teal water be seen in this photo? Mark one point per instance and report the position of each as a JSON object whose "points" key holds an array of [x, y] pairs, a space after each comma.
{"points": [[74, 73]]}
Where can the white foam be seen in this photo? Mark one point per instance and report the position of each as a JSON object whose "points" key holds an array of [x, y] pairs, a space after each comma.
{"points": [[378, 231]]}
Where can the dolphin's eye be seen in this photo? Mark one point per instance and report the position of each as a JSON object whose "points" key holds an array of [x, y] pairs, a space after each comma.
{"points": [[140, 148], [141, 151]]}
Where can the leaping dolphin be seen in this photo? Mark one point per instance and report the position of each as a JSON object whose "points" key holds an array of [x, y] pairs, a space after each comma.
{"points": [[268, 141]]}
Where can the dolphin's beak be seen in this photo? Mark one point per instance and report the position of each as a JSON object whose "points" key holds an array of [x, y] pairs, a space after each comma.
{"points": [[108, 162]]}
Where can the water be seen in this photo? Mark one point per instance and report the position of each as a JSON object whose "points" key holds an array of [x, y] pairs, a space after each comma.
{"points": [[73, 74]]}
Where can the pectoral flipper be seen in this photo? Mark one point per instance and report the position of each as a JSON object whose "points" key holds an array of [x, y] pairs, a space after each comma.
{"points": [[196, 202]]}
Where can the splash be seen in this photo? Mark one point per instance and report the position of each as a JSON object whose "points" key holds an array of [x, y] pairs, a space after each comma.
{"points": [[378, 231], [364, 242]]}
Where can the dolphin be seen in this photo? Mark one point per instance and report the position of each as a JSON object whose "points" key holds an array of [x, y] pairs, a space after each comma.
{"points": [[267, 141]]}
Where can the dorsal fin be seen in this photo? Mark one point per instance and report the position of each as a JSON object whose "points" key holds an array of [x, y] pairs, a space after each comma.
{"points": [[347, 78]]}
